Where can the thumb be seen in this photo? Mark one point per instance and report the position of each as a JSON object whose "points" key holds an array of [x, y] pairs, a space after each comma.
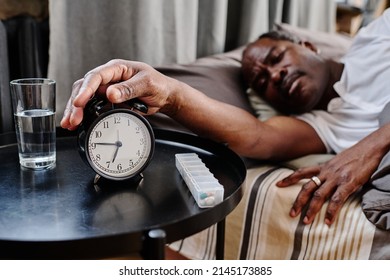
{"points": [[130, 88], [120, 92]]}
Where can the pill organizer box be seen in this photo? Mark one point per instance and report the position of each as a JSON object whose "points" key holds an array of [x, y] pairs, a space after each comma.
{"points": [[204, 187]]}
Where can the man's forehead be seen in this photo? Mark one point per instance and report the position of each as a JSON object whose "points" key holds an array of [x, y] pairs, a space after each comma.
{"points": [[262, 48]]}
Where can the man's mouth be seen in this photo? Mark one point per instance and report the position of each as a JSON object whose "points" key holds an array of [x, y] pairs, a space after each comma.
{"points": [[290, 84]]}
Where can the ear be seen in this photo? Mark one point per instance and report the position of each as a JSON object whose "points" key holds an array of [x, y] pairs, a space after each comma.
{"points": [[310, 46]]}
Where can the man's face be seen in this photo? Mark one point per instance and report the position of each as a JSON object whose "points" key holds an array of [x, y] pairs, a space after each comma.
{"points": [[291, 77]]}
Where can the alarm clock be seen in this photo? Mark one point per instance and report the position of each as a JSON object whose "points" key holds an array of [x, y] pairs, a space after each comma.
{"points": [[114, 140]]}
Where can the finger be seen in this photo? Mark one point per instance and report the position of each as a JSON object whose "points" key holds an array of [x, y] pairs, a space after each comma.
{"points": [[109, 73], [318, 199], [65, 123], [336, 201], [76, 117], [299, 174], [87, 89], [66, 119], [71, 121], [303, 198]]}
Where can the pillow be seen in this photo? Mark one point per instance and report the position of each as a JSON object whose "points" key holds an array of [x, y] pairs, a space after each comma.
{"points": [[218, 76], [331, 45], [261, 109]]}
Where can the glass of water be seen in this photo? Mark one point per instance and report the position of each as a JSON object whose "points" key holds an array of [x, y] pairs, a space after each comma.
{"points": [[33, 103]]}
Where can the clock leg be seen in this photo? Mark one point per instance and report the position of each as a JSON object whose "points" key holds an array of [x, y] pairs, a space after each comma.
{"points": [[103, 183]]}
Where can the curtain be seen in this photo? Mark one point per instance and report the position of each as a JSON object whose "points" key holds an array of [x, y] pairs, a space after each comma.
{"points": [[6, 115], [87, 33]]}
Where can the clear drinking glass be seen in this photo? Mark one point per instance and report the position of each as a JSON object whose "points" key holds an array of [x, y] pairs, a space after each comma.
{"points": [[33, 103]]}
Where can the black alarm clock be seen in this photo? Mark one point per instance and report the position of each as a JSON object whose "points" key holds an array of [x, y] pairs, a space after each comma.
{"points": [[114, 140]]}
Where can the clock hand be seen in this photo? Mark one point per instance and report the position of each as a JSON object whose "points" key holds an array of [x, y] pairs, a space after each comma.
{"points": [[115, 153], [107, 144], [118, 145]]}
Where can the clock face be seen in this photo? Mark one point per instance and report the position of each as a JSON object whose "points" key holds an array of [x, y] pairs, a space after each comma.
{"points": [[119, 144]]}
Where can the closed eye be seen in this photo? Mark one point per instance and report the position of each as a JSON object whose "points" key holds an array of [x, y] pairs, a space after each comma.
{"points": [[276, 58]]}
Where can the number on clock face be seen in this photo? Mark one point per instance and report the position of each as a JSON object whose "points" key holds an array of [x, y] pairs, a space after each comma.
{"points": [[119, 145]]}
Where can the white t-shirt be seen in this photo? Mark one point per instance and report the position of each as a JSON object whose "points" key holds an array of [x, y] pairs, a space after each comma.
{"points": [[364, 89]]}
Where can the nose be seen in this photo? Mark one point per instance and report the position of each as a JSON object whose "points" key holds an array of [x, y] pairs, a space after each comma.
{"points": [[277, 74]]}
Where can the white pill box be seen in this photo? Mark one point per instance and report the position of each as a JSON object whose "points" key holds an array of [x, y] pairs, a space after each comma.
{"points": [[204, 187]]}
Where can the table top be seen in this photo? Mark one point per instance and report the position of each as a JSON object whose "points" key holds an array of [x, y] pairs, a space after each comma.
{"points": [[61, 213]]}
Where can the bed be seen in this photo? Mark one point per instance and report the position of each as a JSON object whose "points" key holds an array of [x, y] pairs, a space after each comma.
{"points": [[260, 227]]}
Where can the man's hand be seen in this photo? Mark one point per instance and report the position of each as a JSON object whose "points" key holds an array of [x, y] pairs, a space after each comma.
{"points": [[119, 81], [339, 178]]}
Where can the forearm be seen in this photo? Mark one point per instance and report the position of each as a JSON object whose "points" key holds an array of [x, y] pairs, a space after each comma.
{"points": [[376, 145], [213, 119], [280, 138]]}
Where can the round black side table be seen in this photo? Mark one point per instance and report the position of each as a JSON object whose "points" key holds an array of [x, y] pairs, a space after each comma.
{"points": [[63, 214]]}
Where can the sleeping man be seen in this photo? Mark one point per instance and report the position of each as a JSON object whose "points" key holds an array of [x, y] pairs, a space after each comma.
{"points": [[329, 106]]}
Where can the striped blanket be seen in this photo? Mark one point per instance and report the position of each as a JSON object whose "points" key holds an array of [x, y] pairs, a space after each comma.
{"points": [[260, 228]]}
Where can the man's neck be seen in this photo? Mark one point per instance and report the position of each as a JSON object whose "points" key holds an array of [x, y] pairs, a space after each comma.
{"points": [[335, 70]]}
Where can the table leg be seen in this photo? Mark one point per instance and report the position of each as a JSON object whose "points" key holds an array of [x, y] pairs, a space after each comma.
{"points": [[154, 245], [220, 246]]}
